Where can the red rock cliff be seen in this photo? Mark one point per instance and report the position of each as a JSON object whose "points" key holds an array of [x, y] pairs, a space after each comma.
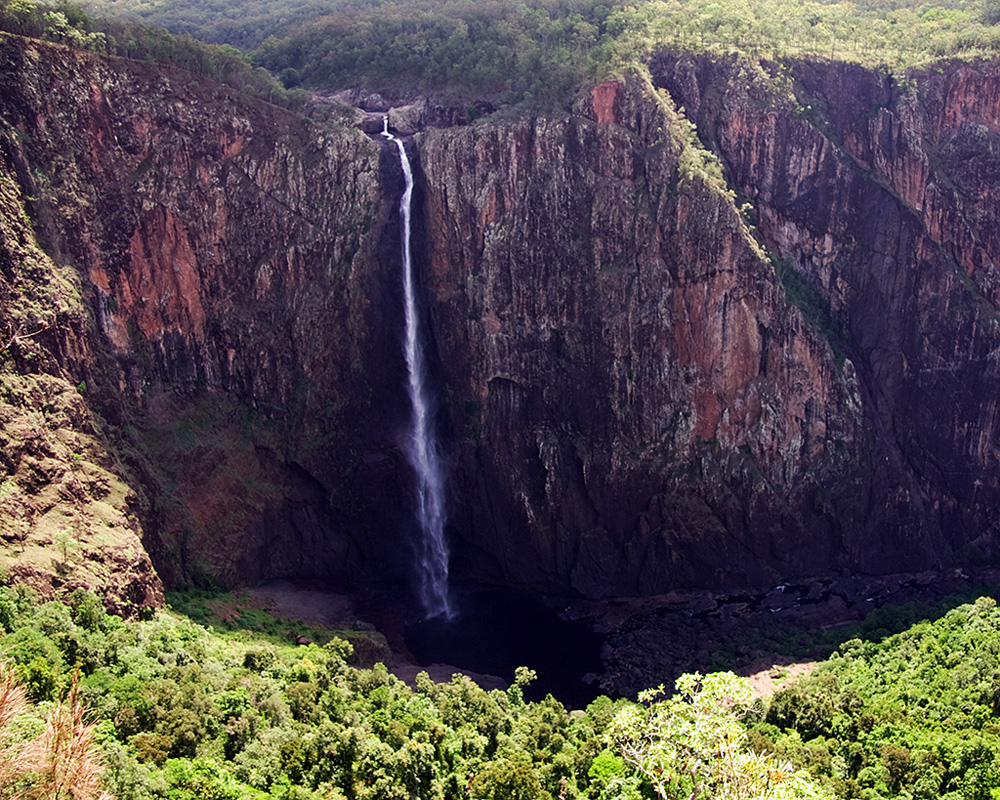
{"points": [[648, 382], [643, 407], [879, 195], [230, 256]]}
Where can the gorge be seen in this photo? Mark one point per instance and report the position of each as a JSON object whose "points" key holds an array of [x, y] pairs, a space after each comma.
{"points": [[718, 325]]}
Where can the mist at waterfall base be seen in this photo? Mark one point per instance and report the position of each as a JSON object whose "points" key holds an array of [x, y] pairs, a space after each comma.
{"points": [[495, 631]]}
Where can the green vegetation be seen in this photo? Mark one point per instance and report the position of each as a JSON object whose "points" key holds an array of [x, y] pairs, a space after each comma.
{"points": [[68, 24], [534, 53], [235, 710], [694, 744], [896, 33], [537, 52], [913, 716], [181, 711], [501, 49]]}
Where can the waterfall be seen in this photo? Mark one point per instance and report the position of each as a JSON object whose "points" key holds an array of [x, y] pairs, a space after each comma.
{"points": [[422, 449]]}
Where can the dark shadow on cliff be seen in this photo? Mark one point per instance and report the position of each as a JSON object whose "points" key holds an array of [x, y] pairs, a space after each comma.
{"points": [[654, 640]]}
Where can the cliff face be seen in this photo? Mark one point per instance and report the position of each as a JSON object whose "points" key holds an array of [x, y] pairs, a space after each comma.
{"points": [[232, 277], [881, 198], [648, 379], [643, 406], [639, 374], [68, 516]]}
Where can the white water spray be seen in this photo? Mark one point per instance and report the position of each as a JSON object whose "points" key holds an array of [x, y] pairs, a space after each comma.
{"points": [[422, 447]]}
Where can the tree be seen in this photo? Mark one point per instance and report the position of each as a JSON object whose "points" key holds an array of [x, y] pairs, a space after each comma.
{"points": [[509, 779], [63, 540], [22, 17], [991, 12], [694, 744]]}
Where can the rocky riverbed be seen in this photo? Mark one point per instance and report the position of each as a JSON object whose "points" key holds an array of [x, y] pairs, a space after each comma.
{"points": [[769, 634], [652, 640]]}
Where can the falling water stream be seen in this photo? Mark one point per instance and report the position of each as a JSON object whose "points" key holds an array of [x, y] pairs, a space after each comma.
{"points": [[496, 631], [422, 449]]}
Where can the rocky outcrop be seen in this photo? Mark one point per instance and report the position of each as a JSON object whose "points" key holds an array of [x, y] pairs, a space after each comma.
{"points": [[238, 273], [660, 366], [68, 516]]}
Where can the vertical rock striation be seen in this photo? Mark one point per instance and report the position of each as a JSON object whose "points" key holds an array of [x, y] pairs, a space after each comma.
{"points": [[231, 257], [641, 406], [880, 197]]}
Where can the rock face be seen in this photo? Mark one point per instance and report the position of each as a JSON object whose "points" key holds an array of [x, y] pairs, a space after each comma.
{"points": [[660, 367], [653, 402], [238, 275], [644, 407], [68, 517], [882, 200]]}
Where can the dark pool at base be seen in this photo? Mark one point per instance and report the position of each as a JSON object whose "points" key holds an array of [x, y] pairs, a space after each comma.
{"points": [[495, 632]]}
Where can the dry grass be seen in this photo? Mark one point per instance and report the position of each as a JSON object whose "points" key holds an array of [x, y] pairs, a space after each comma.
{"points": [[13, 704], [62, 763]]}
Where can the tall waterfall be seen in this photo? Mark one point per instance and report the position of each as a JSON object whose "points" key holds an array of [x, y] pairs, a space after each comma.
{"points": [[422, 448]]}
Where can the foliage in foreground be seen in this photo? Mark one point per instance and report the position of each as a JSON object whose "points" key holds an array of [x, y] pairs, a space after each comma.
{"points": [[694, 744], [47, 755], [914, 716], [182, 712]]}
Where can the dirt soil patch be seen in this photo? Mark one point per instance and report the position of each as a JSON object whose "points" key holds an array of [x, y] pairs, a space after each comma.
{"points": [[766, 679], [285, 599]]}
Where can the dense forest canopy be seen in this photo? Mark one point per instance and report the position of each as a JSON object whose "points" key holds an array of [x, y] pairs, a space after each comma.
{"points": [[512, 51], [227, 707], [503, 51], [914, 716], [182, 712]]}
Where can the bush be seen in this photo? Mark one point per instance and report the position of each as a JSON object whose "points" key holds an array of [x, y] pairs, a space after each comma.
{"points": [[509, 779]]}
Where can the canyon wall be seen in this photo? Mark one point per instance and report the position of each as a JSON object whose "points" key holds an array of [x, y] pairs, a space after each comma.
{"points": [[669, 381], [643, 407], [660, 365], [240, 307], [707, 395], [879, 195]]}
